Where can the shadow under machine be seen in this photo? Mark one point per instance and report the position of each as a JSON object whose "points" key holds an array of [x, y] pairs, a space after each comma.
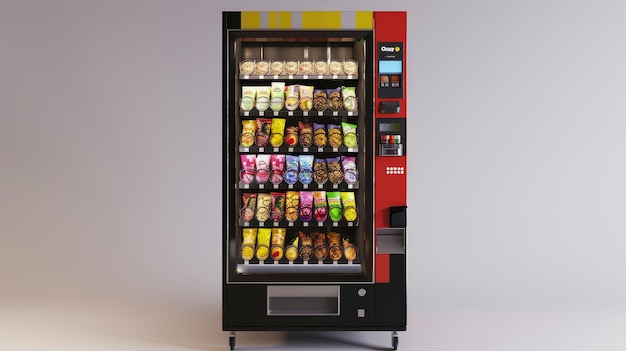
{"points": [[314, 188]]}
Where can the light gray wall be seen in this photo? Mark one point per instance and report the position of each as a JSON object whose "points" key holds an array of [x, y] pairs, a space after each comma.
{"points": [[110, 168]]}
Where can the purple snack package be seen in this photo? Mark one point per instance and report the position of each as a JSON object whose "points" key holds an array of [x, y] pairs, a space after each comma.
{"points": [[350, 173]]}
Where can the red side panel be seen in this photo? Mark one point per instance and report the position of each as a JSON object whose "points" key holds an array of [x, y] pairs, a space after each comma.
{"points": [[390, 172]]}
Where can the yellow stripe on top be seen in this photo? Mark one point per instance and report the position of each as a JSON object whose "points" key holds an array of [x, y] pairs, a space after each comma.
{"points": [[285, 20], [251, 20], [306, 20], [364, 19], [321, 20], [272, 19]]}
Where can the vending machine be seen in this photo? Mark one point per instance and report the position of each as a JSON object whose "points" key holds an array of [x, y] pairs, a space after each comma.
{"points": [[314, 158]]}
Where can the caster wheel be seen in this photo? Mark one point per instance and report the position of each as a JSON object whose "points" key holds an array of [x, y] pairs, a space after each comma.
{"points": [[231, 340], [394, 340]]}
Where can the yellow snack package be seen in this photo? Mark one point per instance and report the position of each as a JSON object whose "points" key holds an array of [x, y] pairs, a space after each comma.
{"points": [[248, 243], [278, 132], [291, 251], [248, 131], [263, 243], [349, 206], [278, 243]]}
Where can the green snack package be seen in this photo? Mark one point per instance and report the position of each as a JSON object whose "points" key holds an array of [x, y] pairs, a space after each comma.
{"points": [[277, 100], [334, 205], [248, 98], [349, 134], [349, 98]]}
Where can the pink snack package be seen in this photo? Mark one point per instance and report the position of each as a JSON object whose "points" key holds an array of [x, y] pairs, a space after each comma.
{"points": [[277, 165], [248, 166]]}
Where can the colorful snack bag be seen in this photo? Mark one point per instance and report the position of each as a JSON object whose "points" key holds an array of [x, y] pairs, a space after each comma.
{"points": [[319, 135], [350, 173], [292, 95], [320, 211], [349, 98], [277, 96], [262, 168], [305, 133], [292, 203], [349, 134], [248, 164], [319, 245], [278, 131], [263, 207], [278, 243], [277, 162], [334, 170], [263, 131], [249, 206], [320, 99], [320, 171], [306, 206], [291, 251], [293, 164], [349, 206], [278, 206], [335, 139], [248, 243], [248, 96], [263, 243], [305, 246], [263, 98], [334, 99], [306, 169], [306, 97], [291, 136], [248, 130], [334, 205], [334, 246], [349, 250]]}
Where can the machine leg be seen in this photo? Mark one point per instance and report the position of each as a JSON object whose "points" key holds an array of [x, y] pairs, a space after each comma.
{"points": [[394, 340], [231, 340]]}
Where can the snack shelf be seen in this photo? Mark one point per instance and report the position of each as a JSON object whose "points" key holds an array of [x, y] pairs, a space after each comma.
{"points": [[298, 113], [311, 266], [298, 77], [298, 186], [298, 224], [297, 149]]}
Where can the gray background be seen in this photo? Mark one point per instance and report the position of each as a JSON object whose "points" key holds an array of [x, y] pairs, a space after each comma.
{"points": [[110, 175]]}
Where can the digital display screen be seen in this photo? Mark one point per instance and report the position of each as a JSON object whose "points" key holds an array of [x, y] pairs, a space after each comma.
{"points": [[394, 66], [390, 127]]}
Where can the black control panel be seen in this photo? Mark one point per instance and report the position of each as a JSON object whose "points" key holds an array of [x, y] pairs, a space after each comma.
{"points": [[390, 136], [390, 73]]}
